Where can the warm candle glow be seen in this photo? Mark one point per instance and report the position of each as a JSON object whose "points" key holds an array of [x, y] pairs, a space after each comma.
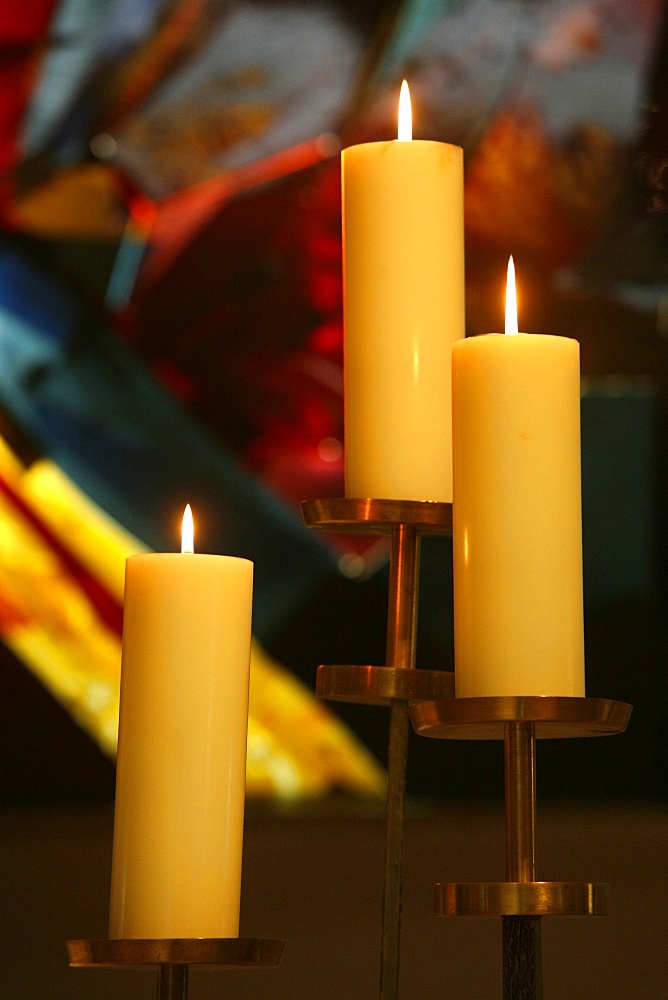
{"points": [[405, 130], [187, 531], [512, 325]]}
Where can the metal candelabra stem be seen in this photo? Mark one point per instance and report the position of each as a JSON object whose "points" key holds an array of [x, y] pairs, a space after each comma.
{"points": [[522, 958], [398, 681], [400, 654], [403, 596], [520, 901], [173, 982]]}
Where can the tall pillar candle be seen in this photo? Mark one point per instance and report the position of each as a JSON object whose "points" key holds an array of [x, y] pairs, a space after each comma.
{"points": [[180, 787], [403, 269], [517, 535]]}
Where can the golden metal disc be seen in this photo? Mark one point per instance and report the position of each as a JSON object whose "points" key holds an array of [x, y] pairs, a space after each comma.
{"points": [[499, 899], [367, 516], [485, 718], [381, 685], [175, 951]]}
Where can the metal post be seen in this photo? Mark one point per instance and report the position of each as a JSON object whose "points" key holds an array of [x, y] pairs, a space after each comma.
{"points": [[173, 982], [522, 960], [400, 653]]}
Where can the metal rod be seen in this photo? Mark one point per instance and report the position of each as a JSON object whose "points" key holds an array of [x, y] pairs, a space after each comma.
{"points": [[520, 774], [173, 982], [400, 653], [402, 598], [396, 788], [522, 959]]}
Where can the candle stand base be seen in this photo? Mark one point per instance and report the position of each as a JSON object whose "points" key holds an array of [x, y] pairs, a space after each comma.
{"points": [[397, 682], [174, 956]]}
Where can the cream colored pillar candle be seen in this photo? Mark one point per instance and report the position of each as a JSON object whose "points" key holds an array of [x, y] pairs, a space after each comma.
{"points": [[180, 784], [403, 268], [517, 533]]}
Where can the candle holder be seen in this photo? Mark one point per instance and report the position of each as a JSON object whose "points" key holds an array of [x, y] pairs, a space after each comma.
{"points": [[521, 901], [398, 681], [174, 956]]}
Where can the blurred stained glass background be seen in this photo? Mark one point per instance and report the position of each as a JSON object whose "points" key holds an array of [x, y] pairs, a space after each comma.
{"points": [[170, 330]]}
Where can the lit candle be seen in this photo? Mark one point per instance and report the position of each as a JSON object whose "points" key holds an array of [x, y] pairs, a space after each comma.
{"points": [[517, 532], [403, 269], [180, 783]]}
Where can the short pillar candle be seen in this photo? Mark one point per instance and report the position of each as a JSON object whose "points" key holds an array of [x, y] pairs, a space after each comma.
{"points": [[517, 523], [180, 786]]}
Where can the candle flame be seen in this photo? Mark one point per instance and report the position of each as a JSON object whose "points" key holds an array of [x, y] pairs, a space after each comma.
{"points": [[187, 531], [512, 326], [405, 129]]}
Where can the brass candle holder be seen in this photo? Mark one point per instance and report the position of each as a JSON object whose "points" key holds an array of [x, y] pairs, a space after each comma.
{"points": [[521, 901], [398, 681], [174, 956]]}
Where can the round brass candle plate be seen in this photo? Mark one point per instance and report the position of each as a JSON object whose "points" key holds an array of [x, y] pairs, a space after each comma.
{"points": [[485, 718], [175, 951], [504, 899], [381, 685], [368, 516]]}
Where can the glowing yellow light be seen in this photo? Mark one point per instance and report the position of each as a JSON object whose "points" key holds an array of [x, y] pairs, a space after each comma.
{"points": [[405, 129], [512, 326], [187, 531]]}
